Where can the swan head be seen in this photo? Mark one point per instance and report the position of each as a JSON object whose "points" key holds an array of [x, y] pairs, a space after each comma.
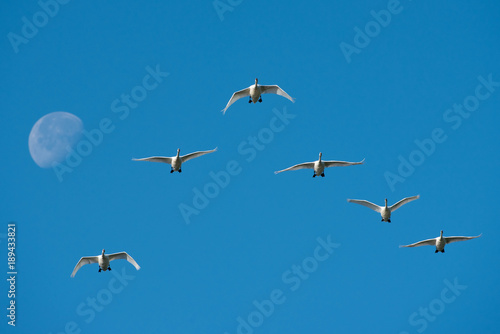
{"points": [[178, 151], [441, 233], [103, 252], [320, 155], [386, 202]]}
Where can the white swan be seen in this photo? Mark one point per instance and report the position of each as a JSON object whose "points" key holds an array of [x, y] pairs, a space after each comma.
{"points": [[177, 161], [385, 211], [103, 261], [440, 242], [254, 91], [320, 165]]}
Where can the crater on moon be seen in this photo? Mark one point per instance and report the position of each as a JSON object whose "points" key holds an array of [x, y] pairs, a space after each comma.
{"points": [[53, 136]]}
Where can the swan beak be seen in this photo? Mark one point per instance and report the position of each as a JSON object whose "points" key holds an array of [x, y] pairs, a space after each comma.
{"points": [[256, 80], [320, 154]]}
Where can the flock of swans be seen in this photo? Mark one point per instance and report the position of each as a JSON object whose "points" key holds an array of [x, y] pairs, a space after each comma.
{"points": [[254, 92]]}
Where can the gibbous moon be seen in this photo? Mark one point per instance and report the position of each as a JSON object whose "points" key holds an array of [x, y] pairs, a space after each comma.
{"points": [[53, 136]]}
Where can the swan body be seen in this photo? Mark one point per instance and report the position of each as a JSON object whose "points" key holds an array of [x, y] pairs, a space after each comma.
{"points": [[104, 260], [319, 165], [176, 161], [255, 91], [385, 211], [439, 242]]}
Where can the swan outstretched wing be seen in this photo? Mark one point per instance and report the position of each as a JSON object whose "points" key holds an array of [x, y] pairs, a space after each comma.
{"points": [[275, 89], [193, 155], [83, 261], [428, 242], [453, 239], [305, 165], [236, 96], [402, 202], [333, 163], [166, 160], [123, 256], [370, 205]]}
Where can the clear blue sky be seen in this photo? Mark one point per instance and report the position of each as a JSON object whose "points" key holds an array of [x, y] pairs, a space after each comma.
{"points": [[392, 90]]}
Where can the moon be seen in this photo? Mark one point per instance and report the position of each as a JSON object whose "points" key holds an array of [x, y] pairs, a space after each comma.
{"points": [[53, 136]]}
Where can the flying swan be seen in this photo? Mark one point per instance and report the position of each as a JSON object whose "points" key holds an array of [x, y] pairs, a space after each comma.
{"points": [[255, 91], [440, 242], [104, 260], [177, 161], [385, 211], [320, 165]]}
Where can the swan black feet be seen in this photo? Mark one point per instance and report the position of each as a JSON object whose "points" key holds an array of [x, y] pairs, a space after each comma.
{"points": [[322, 174], [436, 251], [250, 101], [180, 170], [171, 171], [388, 220], [100, 269], [260, 99], [314, 175], [109, 268]]}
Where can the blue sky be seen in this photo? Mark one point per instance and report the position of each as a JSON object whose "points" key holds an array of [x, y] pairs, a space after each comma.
{"points": [[240, 248]]}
